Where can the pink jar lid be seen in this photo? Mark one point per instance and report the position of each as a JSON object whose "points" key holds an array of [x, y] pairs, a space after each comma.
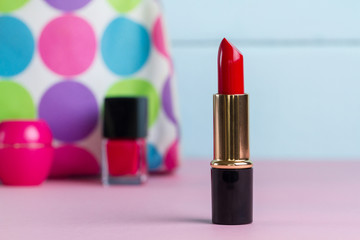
{"points": [[25, 131]]}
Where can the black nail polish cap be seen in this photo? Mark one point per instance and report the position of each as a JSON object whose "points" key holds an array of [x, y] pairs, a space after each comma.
{"points": [[125, 117]]}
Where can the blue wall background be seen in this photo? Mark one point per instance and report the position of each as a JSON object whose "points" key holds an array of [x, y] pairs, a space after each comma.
{"points": [[302, 71]]}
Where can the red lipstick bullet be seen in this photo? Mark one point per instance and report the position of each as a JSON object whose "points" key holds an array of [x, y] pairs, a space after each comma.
{"points": [[230, 69], [231, 169]]}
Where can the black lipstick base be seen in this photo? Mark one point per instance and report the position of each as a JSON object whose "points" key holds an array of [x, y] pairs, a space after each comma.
{"points": [[232, 196]]}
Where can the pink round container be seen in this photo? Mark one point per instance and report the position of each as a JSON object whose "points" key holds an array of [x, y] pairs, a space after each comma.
{"points": [[26, 153]]}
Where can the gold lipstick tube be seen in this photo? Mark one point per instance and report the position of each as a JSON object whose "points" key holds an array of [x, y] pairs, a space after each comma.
{"points": [[231, 168]]}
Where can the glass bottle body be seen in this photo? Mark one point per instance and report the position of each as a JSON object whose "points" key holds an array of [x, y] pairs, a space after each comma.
{"points": [[124, 161]]}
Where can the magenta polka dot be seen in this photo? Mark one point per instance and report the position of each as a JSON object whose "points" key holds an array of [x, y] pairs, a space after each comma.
{"points": [[67, 45], [159, 38], [167, 101], [67, 5], [70, 109], [172, 156], [71, 161]]}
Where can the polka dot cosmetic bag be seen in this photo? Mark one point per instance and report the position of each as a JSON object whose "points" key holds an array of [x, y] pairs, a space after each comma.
{"points": [[59, 59]]}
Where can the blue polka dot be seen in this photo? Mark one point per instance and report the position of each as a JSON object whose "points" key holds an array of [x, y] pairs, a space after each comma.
{"points": [[125, 46], [16, 46], [154, 157]]}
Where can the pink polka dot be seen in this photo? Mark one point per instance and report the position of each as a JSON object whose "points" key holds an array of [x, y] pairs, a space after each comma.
{"points": [[67, 45], [172, 156], [73, 161], [158, 37]]}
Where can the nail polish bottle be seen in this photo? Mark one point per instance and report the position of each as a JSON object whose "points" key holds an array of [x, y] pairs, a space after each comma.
{"points": [[124, 140]]}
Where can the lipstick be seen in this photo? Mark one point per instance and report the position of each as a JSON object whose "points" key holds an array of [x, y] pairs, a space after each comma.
{"points": [[230, 69], [231, 169]]}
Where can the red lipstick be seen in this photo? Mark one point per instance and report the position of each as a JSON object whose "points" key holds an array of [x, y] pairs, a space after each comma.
{"points": [[230, 69], [231, 168]]}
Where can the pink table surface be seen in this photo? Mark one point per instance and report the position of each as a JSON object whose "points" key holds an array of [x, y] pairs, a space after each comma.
{"points": [[292, 200]]}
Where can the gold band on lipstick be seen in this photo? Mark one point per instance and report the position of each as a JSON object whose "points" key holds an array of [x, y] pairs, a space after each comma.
{"points": [[231, 132]]}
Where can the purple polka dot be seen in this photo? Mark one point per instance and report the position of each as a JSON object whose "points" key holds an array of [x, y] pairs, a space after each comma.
{"points": [[70, 109], [167, 101], [67, 5]]}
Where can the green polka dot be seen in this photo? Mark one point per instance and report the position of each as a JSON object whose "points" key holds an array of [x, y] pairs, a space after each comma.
{"points": [[11, 5], [138, 87], [15, 102], [124, 5]]}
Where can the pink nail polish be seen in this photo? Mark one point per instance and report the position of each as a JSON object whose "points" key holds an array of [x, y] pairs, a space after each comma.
{"points": [[124, 143]]}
